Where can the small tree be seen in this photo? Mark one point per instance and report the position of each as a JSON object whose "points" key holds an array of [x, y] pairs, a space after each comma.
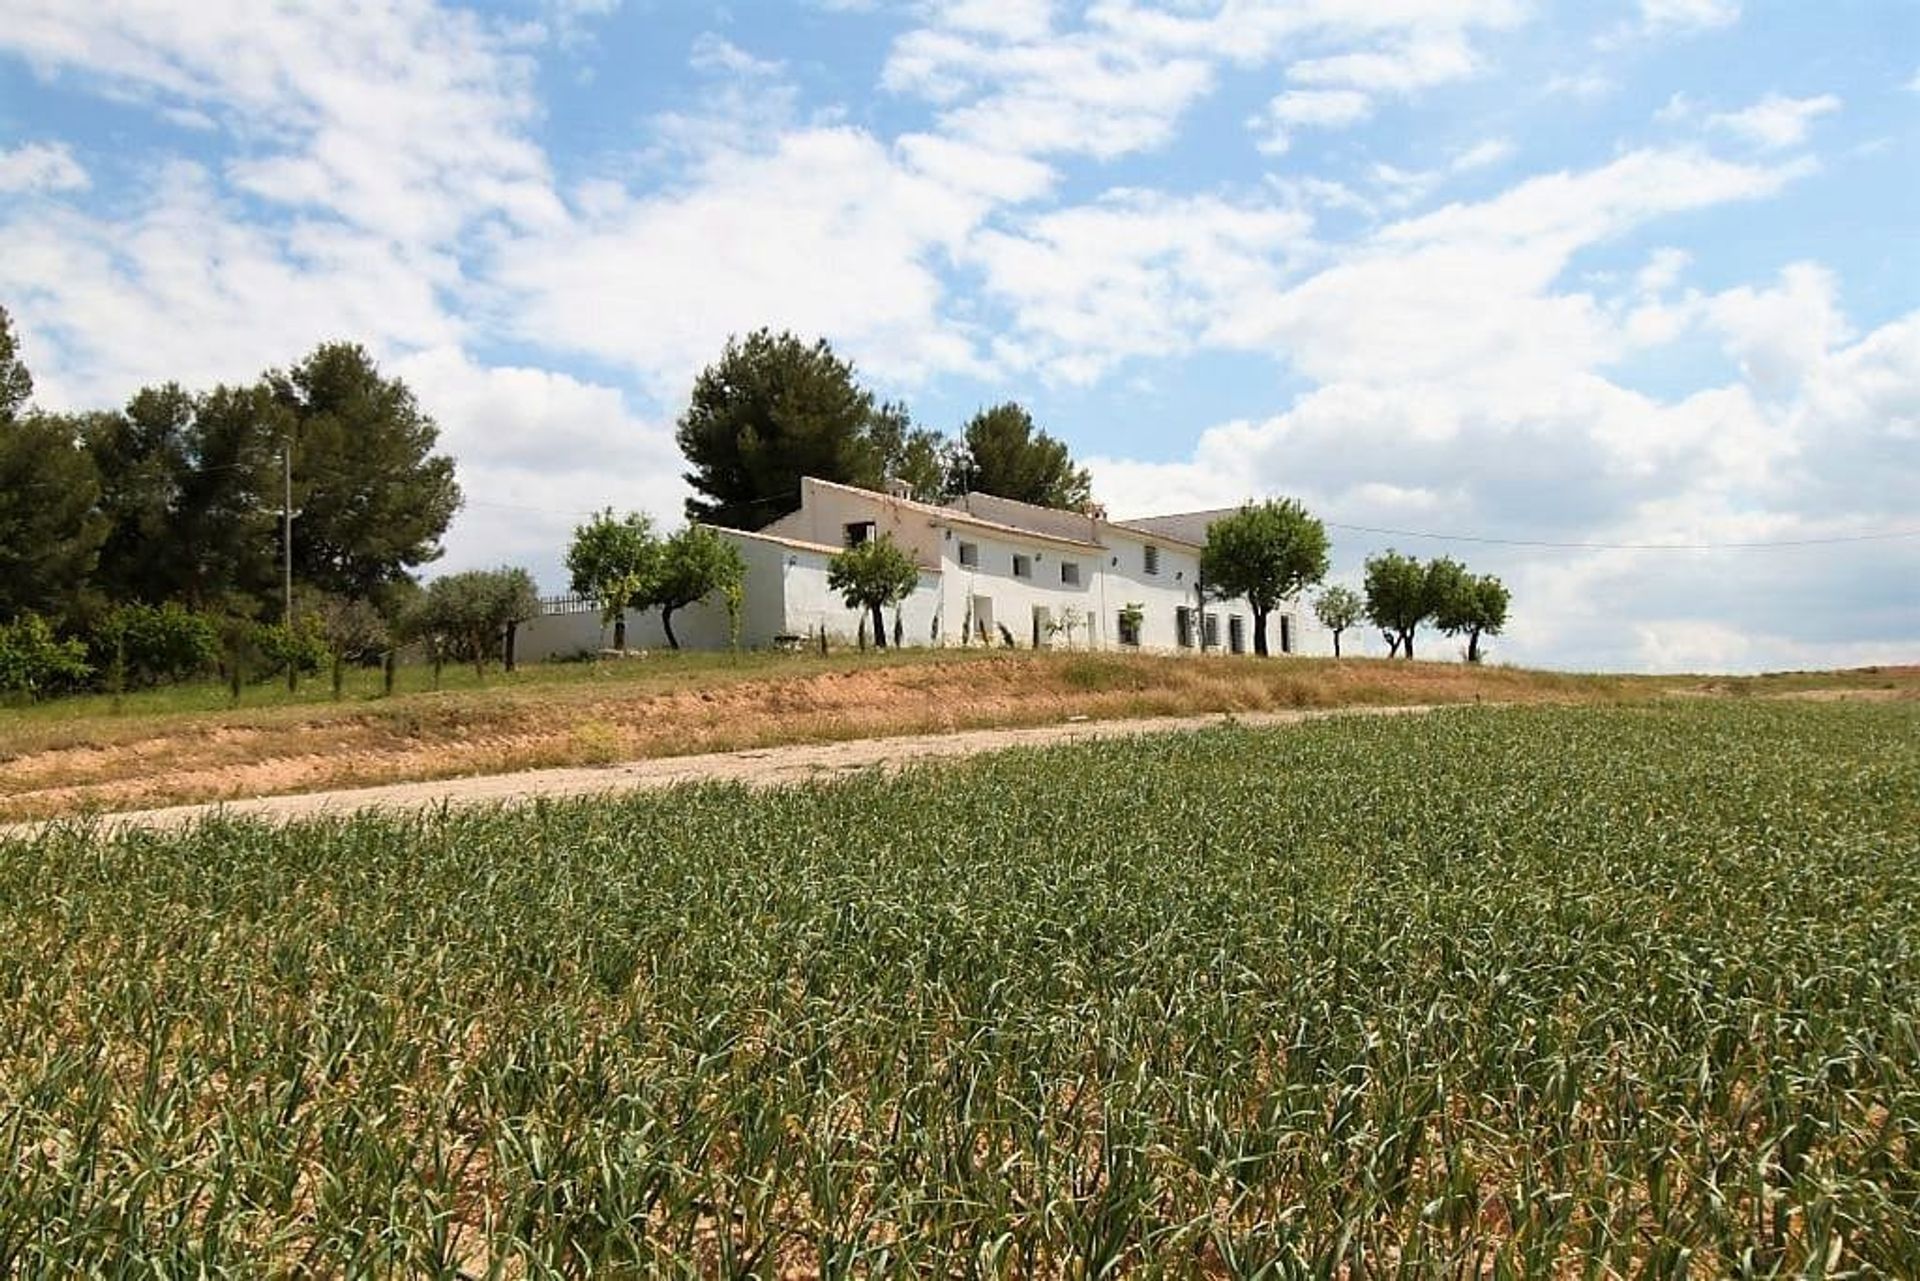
{"points": [[1338, 608], [693, 565], [1266, 552], [613, 562], [1476, 605], [34, 662], [352, 631], [871, 576], [1402, 594], [466, 616]]}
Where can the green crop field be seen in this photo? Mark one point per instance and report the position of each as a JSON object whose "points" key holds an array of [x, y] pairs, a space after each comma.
{"points": [[1529, 992]]}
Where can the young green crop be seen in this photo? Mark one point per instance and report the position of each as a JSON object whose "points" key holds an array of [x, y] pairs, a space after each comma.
{"points": [[1595, 992]]}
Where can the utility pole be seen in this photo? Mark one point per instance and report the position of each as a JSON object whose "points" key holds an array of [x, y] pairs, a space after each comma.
{"points": [[286, 532], [286, 556]]}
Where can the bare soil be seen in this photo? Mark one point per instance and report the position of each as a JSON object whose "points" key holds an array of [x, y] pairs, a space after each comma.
{"points": [[102, 763], [757, 767]]}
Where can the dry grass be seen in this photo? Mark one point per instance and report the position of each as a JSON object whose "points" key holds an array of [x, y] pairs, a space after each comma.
{"points": [[75, 762]]}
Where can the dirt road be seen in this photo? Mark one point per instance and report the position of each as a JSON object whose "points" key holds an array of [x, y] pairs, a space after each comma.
{"points": [[763, 767]]}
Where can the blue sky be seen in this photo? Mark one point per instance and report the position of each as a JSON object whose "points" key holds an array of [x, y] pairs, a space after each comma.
{"points": [[1590, 281]]}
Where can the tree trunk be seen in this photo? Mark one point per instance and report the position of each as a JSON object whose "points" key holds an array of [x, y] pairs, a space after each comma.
{"points": [[879, 628], [666, 625], [620, 632], [1406, 643], [1473, 645], [339, 674], [389, 668], [1259, 632], [1336, 642], [507, 658], [1393, 643]]}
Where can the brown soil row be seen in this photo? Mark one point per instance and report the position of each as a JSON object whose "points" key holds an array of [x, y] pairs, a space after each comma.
{"points": [[110, 766]]}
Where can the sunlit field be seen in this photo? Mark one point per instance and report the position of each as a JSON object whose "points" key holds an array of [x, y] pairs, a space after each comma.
{"points": [[1583, 991]]}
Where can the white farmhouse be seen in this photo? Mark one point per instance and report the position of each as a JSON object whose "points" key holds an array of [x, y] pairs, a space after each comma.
{"points": [[993, 572]]}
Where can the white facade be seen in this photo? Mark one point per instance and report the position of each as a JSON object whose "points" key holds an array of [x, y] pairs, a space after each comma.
{"points": [[992, 572]]}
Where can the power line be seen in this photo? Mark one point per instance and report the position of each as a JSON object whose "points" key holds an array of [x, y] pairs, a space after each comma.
{"points": [[1886, 536]]}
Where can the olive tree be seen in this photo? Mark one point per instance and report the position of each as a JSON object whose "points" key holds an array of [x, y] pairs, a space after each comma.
{"points": [[1474, 604], [467, 616], [1267, 552], [1338, 608], [614, 562], [871, 576], [693, 565]]}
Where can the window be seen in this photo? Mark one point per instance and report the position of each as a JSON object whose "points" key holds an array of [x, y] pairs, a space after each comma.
{"points": [[1183, 627], [1022, 566], [1129, 627], [1151, 561], [969, 555], [1211, 628], [1070, 572], [859, 531], [1236, 633]]}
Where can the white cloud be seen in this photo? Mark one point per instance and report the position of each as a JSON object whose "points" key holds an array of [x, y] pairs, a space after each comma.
{"points": [[1776, 122], [1482, 155], [186, 288], [536, 452], [713, 52], [1133, 274], [830, 232], [1584, 85], [40, 166], [1063, 94], [1688, 15], [1420, 62], [406, 119], [1324, 108]]}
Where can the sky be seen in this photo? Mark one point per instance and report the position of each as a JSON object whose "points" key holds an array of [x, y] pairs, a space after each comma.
{"points": [[1619, 301]]}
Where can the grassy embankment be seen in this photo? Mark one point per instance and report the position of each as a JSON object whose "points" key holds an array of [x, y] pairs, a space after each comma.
{"points": [[1552, 991], [187, 744]]}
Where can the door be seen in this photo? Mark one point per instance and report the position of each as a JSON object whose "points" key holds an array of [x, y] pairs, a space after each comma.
{"points": [[1042, 627]]}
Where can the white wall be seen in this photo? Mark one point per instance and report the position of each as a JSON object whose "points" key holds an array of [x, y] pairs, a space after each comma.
{"points": [[1015, 599], [787, 594]]}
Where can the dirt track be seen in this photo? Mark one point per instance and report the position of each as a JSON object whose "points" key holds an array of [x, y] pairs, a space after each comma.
{"points": [[762, 767]]}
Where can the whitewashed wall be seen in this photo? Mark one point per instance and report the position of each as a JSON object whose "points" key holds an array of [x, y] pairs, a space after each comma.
{"points": [[787, 593]]}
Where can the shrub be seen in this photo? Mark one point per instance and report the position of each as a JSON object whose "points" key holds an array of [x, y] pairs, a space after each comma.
{"points": [[154, 645], [36, 663]]}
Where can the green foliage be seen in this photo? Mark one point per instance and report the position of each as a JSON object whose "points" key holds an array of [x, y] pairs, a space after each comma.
{"points": [[373, 498], [1001, 452], [916, 457], [695, 564], [277, 649], [1484, 993], [871, 576], [1472, 604], [465, 616], [1401, 594], [50, 534], [614, 562], [34, 662], [351, 629], [1267, 552], [16, 383], [149, 645], [1338, 608], [771, 410], [142, 457]]}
